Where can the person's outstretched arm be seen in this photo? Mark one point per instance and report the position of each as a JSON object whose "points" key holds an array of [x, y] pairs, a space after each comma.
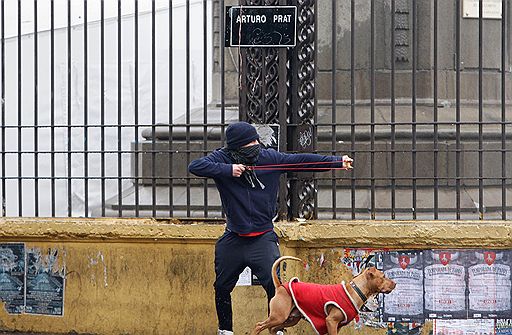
{"points": [[323, 161], [212, 166]]}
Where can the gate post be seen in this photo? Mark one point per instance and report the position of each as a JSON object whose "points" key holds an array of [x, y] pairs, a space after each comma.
{"points": [[277, 86], [302, 109]]}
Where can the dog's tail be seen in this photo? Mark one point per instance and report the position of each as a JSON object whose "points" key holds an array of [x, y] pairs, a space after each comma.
{"points": [[275, 279]]}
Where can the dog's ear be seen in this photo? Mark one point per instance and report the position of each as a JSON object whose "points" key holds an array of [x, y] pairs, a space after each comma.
{"points": [[370, 273]]}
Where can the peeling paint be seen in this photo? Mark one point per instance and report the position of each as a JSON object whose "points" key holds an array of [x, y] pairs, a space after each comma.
{"points": [[96, 260]]}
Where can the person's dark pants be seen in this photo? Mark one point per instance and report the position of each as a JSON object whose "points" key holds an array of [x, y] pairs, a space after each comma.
{"points": [[233, 253]]}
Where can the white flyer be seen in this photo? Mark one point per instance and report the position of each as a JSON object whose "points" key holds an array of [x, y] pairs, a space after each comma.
{"points": [[445, 287], [245, 278], [464, 327]]}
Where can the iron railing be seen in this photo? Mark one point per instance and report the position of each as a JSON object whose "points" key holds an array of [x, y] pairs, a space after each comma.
{"points": [[104, 104]]}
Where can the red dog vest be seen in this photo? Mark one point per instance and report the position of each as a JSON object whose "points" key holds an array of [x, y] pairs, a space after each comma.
{"points": [[312, 301]]}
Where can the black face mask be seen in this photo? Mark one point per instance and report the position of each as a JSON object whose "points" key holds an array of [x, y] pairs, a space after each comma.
{"points": [[249, 154]]}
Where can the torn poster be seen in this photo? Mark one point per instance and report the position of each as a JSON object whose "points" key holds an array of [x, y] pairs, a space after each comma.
{"points": [[12, 276], [45, 282]]}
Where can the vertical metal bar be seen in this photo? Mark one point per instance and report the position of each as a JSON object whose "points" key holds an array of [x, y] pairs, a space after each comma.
{"points": [[457, 108], [171, 166], [20, 172], [293, 181], [282, 117], [315, 103], [352, 105], [222, 74], [86, 119], [393, 113], [69, 108], [205, 102], [153, 111], [222, 78], [119, 116], [136, 102], [333, 100], [283, 57], [187, 102], [372, 108], [36, 119], [52, 100], [102, 103], [2, 103], [414, 68], [480, 111], [503, 112], [436, 126]]}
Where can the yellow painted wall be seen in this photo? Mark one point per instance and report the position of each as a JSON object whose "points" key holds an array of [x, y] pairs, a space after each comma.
{"points": [[148, 276]]}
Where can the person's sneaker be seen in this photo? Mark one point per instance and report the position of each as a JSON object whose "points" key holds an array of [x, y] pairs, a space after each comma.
{"points": [[224, 332]]}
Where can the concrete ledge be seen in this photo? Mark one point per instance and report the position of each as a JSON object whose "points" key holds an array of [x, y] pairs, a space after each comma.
{"points": [[401, 234], [94, 229], [375, 234]]}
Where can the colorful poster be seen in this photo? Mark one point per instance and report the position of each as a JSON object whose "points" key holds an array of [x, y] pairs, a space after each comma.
{"points": [[405, 303], [504, 327], [445, 284], [463, 327], [12, 276], [489, 284], [358, 259], [45, 283]]}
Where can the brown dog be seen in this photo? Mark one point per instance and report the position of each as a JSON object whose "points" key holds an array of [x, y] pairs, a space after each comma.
{"points": [[326, 307]]}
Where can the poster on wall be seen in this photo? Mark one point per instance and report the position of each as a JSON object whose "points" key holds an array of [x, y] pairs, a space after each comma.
{"points": [[269, 135], [464, 327], [245, 278], [489, 283], [405, 303], [445, 284], [12, 277], [45, 283], [504, 327], [358, 259]]}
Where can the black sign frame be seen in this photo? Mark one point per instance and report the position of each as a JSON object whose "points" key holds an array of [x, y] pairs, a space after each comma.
{"points": [[263, 34]]}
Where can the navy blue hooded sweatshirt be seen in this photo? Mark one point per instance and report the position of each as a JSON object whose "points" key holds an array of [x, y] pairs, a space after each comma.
{"points": [[250, 210]]}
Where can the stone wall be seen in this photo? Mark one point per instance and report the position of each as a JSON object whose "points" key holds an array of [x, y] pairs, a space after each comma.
{"points": [[148, 276]]}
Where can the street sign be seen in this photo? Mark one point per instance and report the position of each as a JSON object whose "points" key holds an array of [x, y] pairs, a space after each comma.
{"points": [[261, 26]]}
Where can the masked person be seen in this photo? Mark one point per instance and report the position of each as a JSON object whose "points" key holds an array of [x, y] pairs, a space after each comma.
{"points": [[249, 200]]}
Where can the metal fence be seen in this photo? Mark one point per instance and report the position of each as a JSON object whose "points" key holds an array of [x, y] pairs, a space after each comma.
{"points": [[104, 104]]}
